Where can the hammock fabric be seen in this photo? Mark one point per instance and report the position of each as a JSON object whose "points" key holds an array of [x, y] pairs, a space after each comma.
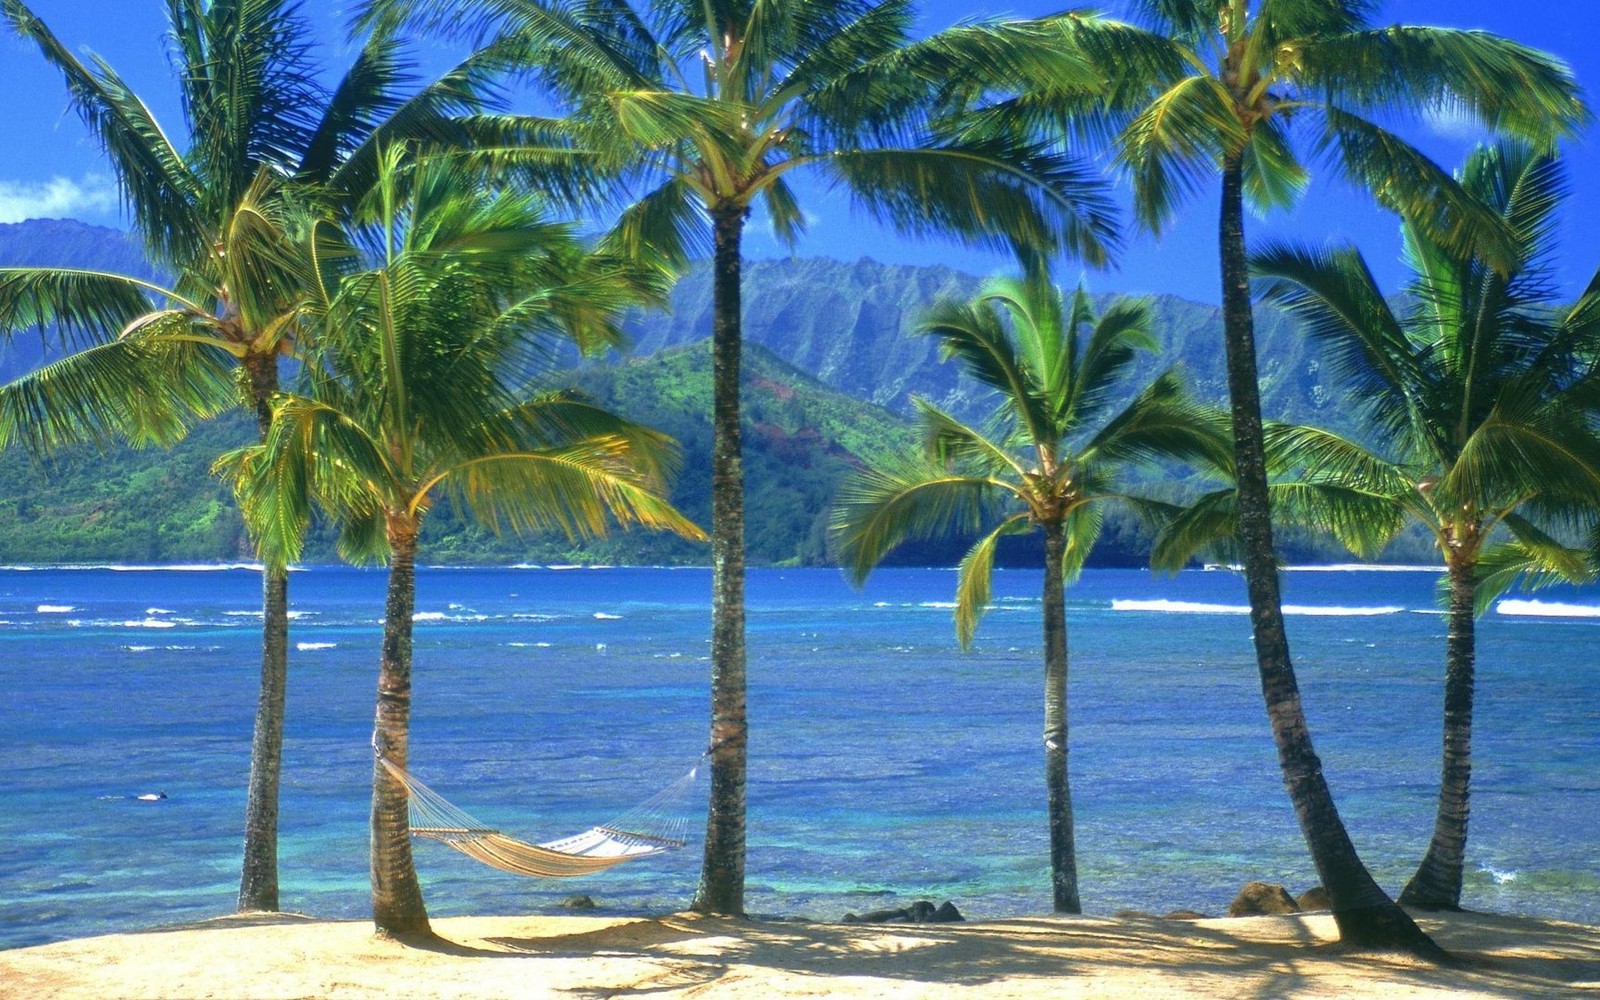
{"points": [[594, 850]]}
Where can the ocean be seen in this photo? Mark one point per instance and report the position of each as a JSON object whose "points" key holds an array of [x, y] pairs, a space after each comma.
{"points": [[886, 765]]}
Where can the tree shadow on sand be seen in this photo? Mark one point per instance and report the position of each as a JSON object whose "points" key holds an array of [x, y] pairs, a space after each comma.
{"points": [[1254, 957]]}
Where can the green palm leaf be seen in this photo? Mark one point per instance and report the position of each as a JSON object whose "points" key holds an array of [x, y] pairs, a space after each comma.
{"points": [[880, 508], [147, 390], [975, 576]]}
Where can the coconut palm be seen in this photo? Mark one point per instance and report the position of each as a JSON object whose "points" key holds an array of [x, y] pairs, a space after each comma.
{"points": [[1473, 398], [419, 388], [718, 105], [1219, 88], [1049, 461], [258, 123]]}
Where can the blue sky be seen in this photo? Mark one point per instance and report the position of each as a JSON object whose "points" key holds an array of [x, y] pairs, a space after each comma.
{"points": [[50, 168]]}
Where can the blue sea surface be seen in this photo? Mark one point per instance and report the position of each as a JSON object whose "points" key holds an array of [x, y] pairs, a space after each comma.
{"points": [[885, 764]]}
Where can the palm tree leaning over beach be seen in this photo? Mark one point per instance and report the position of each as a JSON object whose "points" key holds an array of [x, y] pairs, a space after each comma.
{"points": [[717, 105], [1218, 88], [1049, 460], [1475, 396], [261, 128], [433, 324]]}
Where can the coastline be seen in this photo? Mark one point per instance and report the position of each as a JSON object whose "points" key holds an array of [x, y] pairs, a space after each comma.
{"points": [[289, 955]]}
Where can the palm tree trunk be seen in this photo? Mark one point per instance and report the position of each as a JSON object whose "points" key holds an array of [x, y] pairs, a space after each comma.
{"points": [[397, 907], [258, 880], [1366, 917], [1063, 854], [721, 888], [1437, 883]]}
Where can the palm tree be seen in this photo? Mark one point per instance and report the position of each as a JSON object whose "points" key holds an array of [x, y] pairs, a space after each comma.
{"points": [[259, 123], [716, 104], [1049, 461], [419, 387], [1473, 396], [1218, 87]]}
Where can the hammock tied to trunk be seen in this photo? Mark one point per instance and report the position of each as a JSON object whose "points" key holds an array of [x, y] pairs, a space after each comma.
{"points": [[652, 827]]}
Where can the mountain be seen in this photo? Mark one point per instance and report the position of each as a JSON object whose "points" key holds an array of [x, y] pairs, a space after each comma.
{"points": [[801, 439], [852, 326], [61, 243], [832, 365]]}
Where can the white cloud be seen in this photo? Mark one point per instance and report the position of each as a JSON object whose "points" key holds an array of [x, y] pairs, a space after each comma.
{"points": [[1455, 121], [58, 197]]}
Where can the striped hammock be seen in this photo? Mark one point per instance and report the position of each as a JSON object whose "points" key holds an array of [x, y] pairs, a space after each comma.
{"points": [[652, 827]]}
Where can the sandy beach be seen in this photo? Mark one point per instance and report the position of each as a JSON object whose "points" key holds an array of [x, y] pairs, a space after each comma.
{"points": [[684, 955]]}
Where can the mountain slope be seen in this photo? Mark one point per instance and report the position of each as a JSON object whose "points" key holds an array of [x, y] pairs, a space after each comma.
{"points": [[851, 326]]}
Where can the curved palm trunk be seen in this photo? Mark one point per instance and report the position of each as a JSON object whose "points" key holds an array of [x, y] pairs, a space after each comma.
{"points": [[1366, 917], [721, 888], [1063, 854], [1437, 883], [397, 906], [258, 880]]}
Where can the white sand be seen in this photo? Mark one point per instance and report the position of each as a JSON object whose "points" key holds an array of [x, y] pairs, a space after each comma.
{"points": [[690, 956]]}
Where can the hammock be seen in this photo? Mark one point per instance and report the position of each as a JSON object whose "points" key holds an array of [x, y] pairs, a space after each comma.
{"points": [[595, 849]]}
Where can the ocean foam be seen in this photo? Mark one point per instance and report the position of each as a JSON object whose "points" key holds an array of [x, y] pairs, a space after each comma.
{"points": [[1546, 609], [1365, 568], [429, 616], [257, 614], [179, 568], [308, 646], [149, 623], [54, 609], [602, 616], [1164, 606]]}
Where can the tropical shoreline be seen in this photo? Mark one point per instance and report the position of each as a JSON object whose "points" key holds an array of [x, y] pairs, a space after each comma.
{"points": [[290, 955]]}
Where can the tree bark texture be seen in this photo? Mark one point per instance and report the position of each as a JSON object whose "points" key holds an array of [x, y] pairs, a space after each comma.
{"points": [[1063, 853], [721, 888], [397, 907], [258, 879], [1365, 915], [1437, 882]]}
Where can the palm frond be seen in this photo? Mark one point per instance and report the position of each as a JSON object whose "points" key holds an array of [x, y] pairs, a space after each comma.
{"points": [[1406, 181], [953, 444], [1273, 175], [144, 390], [1361, 519], [1175, 143], [1000, 193], [83, 306], [1208, 523], [575, 488], [156, 183], [975, 575], [1082, 529], [1513, 453], [972, 333], [1334, 295], [1163, 421], [1507, 86], [879, 508], [1531, 560]]}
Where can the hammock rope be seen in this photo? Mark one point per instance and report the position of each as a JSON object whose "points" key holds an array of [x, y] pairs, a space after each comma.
{"points": [[654, 826]]}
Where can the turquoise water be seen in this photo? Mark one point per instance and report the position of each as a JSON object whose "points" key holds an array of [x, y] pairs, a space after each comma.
{"points": [[885, 764]]}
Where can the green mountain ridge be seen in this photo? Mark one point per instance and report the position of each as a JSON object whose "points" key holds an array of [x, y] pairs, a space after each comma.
{"points": [[832, 364]]}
